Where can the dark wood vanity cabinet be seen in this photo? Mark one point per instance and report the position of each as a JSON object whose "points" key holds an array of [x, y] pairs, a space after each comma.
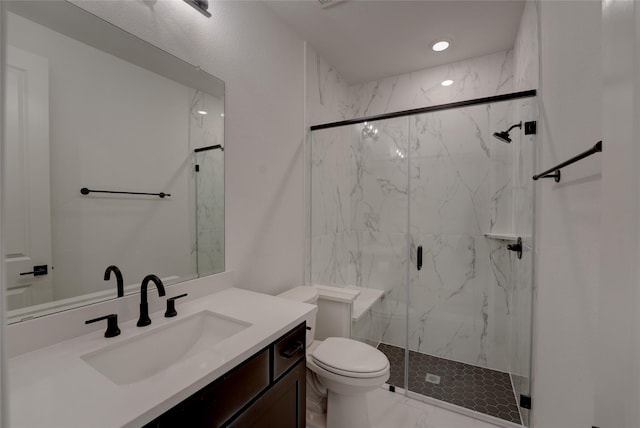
{"points": [[266, 390]]}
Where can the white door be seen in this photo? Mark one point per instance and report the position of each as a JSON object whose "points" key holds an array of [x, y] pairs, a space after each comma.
{"points": [[27, 216]]}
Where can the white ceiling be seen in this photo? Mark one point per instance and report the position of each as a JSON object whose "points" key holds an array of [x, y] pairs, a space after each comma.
{"points": [[366, 40]]}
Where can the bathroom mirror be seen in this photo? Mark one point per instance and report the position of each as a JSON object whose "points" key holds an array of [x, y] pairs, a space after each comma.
{"points": [[90, 106]]}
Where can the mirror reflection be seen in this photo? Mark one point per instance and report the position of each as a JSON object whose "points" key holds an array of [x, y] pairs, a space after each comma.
{"points": [[89, 106]]}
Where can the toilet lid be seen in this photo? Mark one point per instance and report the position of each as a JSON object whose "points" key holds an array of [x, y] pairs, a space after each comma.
{"points": [[350, 358]]}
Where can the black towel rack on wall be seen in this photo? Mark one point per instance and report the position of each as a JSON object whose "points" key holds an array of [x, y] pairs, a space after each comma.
{"points": [[86, 191], [555, 171]]}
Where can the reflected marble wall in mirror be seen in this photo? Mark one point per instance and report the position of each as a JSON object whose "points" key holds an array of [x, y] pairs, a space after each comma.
{"points": [[89, 105]]}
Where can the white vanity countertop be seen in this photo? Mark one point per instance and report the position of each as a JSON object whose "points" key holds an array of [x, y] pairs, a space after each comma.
{"points": [[54, 387]]}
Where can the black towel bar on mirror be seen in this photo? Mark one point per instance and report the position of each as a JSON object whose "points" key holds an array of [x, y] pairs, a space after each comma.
{"points": [[555, 171], [86, 191]]}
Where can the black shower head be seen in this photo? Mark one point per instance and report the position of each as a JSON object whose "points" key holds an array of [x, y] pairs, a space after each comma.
{"points": [[504, 135]]}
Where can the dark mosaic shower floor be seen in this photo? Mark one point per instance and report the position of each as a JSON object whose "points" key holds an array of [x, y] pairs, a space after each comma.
{"points": [[482, 390]]}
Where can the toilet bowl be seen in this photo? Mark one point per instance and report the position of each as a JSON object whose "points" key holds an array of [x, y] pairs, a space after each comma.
{"points": [[346, 369]]}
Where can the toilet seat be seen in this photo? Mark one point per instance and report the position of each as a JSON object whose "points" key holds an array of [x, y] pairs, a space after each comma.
{"points": [[350, 358]]}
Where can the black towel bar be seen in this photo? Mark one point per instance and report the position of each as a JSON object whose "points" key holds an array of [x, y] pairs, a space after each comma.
{"points": [[86, 191], [555, 171]]}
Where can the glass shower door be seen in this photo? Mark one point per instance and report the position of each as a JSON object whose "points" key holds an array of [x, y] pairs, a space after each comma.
{"points": [[460, 314]]}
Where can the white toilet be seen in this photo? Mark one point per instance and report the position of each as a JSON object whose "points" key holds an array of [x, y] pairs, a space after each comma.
{"points": [[341, 369]]}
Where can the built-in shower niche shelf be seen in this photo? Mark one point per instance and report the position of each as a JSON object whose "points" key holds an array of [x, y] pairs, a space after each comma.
{"points": [[501, 236]]}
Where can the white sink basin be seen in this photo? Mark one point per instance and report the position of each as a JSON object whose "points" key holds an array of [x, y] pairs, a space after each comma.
{"points": [[144, 355]]}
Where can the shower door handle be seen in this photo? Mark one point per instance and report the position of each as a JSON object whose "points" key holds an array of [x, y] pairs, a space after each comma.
{"points": [[419, 256]]}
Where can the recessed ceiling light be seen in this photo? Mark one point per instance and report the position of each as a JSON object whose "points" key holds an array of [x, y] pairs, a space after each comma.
{"points": [[447, 82], [202, 112], [440, 46]]}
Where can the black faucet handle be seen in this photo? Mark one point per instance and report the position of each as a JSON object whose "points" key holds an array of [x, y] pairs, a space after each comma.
{"points": [[171, 306], [112, 324]]}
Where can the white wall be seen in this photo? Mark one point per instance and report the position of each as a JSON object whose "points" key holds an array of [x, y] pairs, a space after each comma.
{"points": [[568, 215], [262, 64], [4, 418], [617, 392]]}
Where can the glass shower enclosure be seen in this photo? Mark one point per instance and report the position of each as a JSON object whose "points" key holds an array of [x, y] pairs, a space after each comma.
{"points": [[427, 207]]}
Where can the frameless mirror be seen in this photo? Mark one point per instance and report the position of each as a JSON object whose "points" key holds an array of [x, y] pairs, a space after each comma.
{"points": [[114, 155]]}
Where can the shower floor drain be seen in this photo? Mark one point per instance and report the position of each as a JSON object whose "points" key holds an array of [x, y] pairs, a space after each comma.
{"points": [[431, 378]]}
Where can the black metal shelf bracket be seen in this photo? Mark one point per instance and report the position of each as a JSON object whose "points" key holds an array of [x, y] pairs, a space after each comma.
{"points": [[86, 191], [555, 171]]}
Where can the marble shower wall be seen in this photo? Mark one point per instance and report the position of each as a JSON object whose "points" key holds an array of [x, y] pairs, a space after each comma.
{"points": [[327, 96]]}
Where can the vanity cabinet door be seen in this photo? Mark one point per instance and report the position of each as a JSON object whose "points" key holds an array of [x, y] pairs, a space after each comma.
{"points": [[215, 404], [282, 406], [226, 397]]}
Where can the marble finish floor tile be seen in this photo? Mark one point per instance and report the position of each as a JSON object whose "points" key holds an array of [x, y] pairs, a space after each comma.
{"points": [[479, 389], [393, 410]]}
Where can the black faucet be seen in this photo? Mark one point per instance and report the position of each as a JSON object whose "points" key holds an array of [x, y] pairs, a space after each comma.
{"points": [[107, 277], [144, 307]]}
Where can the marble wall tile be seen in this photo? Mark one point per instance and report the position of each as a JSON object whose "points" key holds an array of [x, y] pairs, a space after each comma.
{"points": [[368, 328], [426, 192], [473, 78], [379, 178], [464, 208], [525, 167], [459, 303], [330, 263], [450, 170], [330, 186], [502, 173], [379, 260], [327, 92]]}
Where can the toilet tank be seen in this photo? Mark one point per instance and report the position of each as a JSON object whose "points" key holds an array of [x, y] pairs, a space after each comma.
{"points": [[305, 294]]}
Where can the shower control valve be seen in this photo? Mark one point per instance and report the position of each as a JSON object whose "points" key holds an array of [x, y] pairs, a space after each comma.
{"points": [[517, 247]]}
